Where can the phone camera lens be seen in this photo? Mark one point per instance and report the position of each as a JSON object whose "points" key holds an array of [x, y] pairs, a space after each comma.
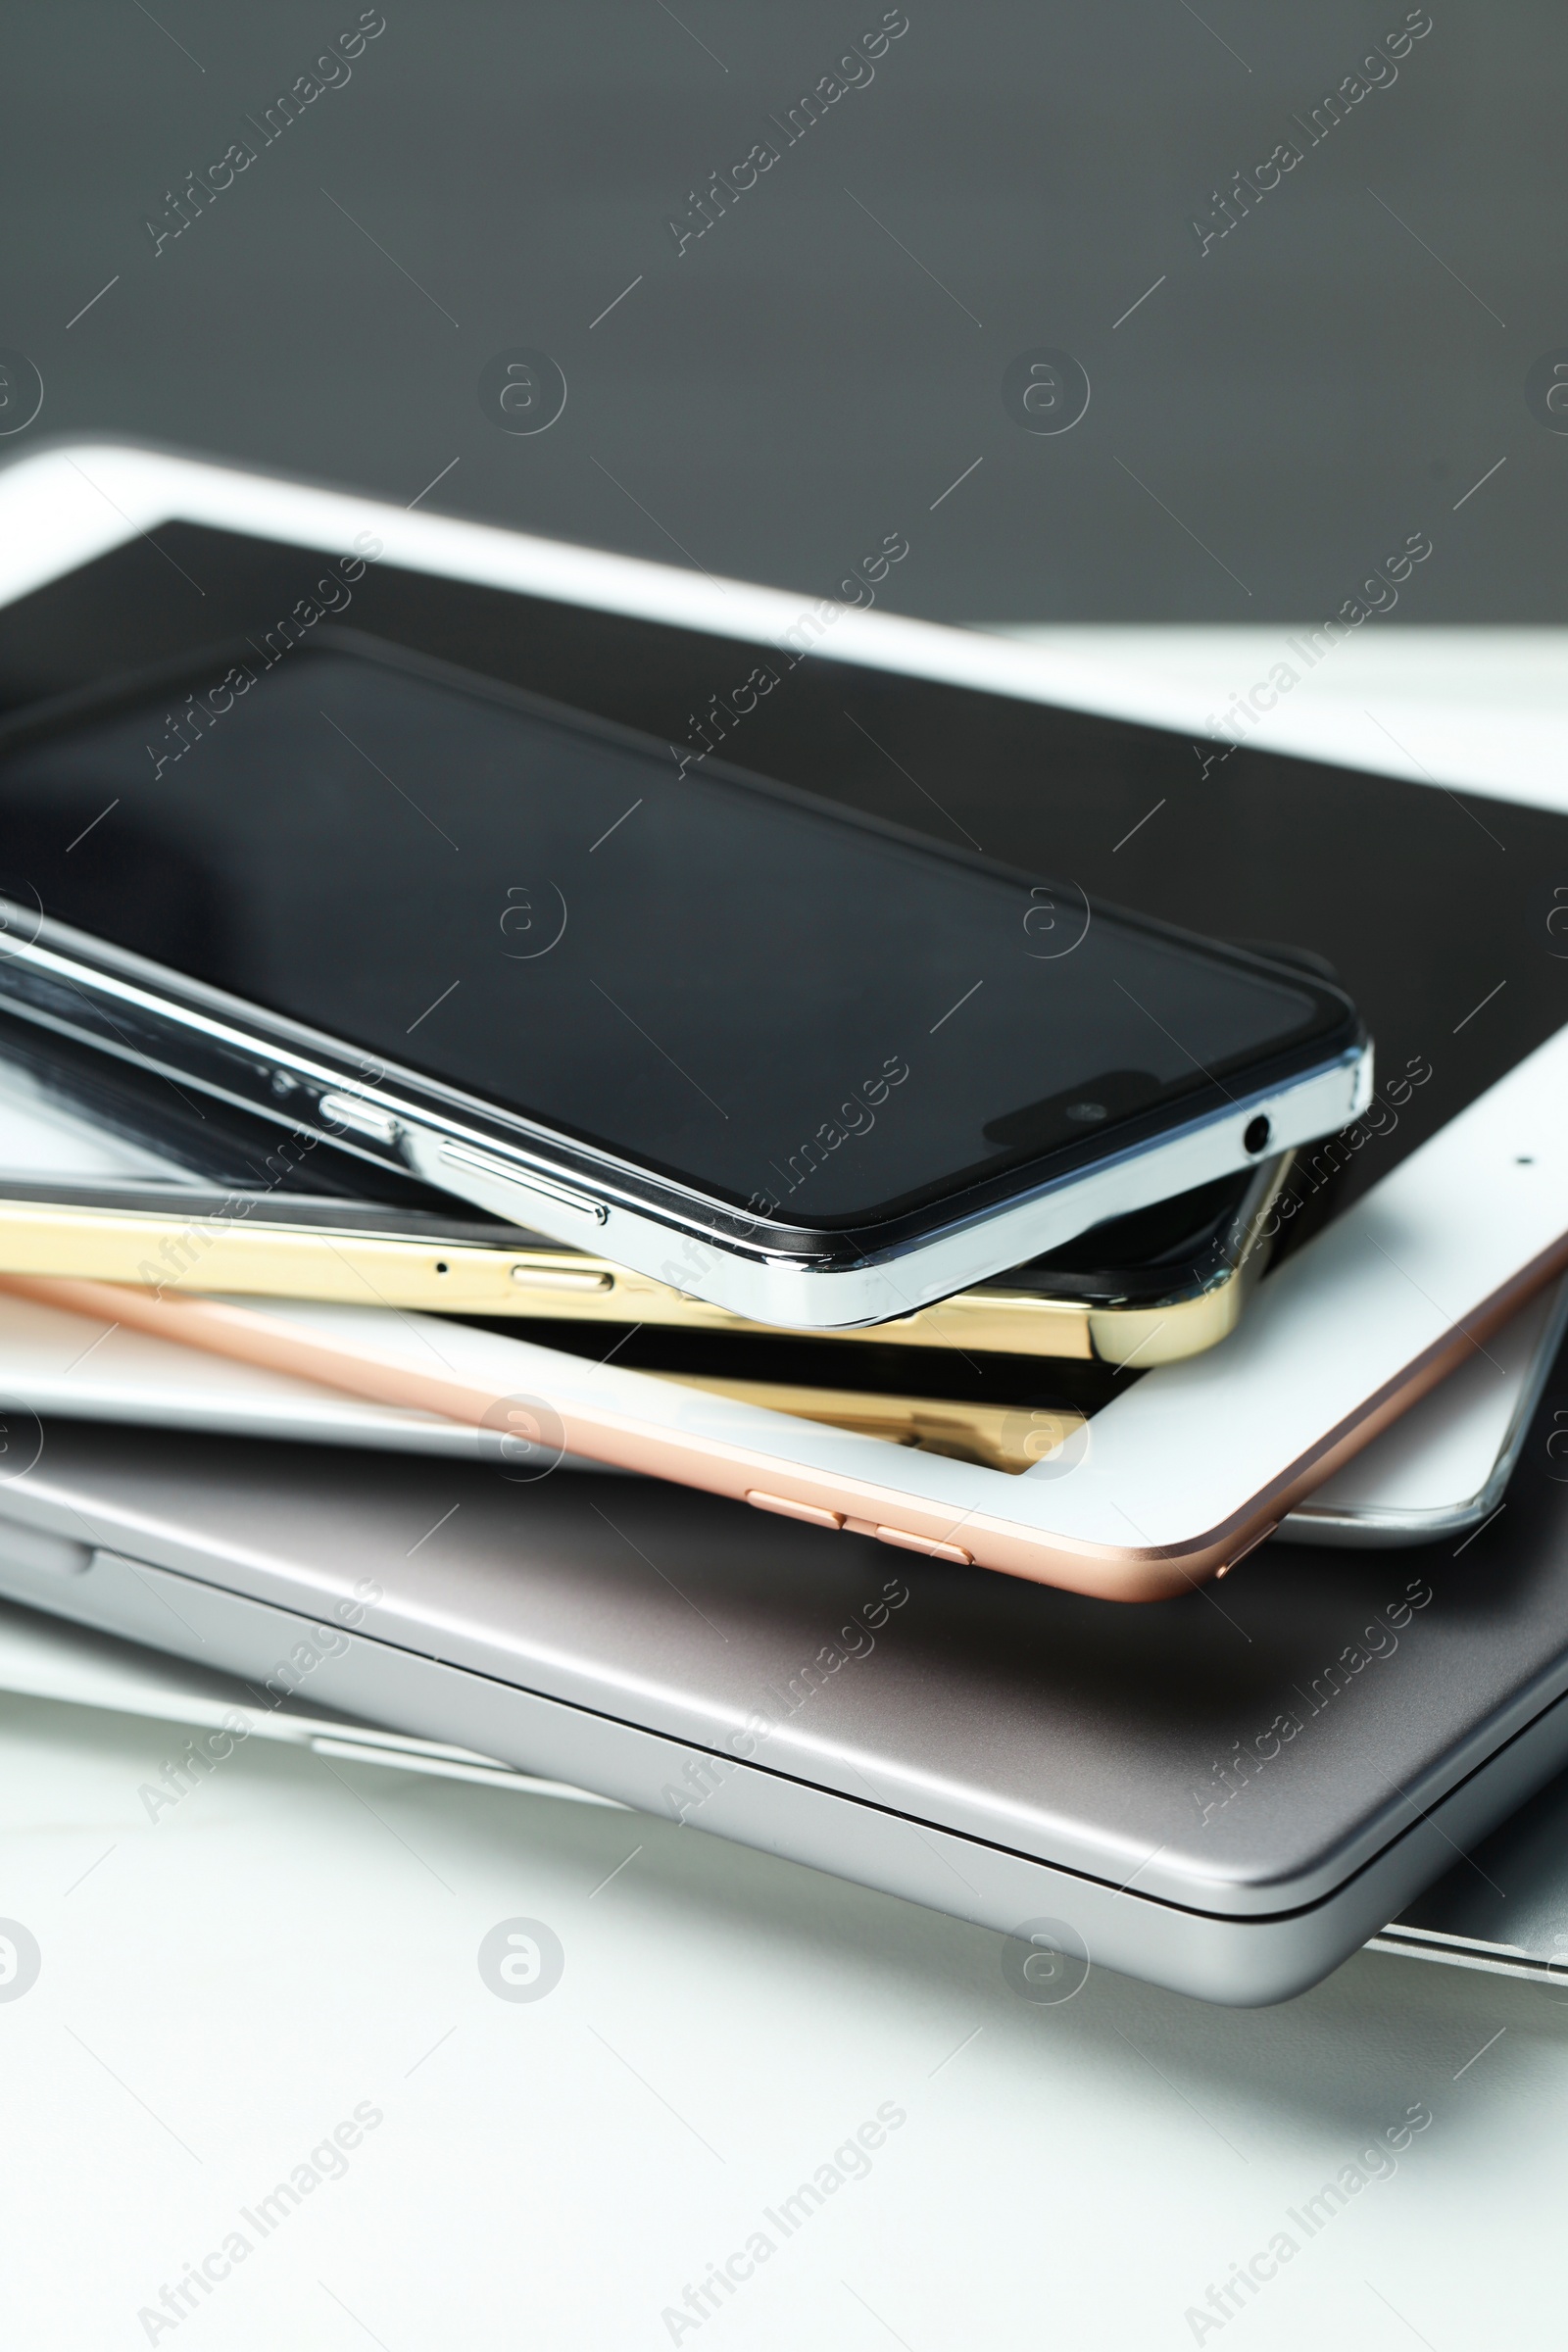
{"points": [[1257, 1134]]}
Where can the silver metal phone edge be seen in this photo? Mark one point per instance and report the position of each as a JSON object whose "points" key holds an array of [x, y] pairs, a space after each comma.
{"points": [[441, 1136]]}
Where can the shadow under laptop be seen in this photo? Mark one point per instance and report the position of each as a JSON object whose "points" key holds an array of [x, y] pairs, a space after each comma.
{"points": [[1379, 2037]]}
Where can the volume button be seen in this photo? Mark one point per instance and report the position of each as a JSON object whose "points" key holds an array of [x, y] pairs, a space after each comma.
{"points": [[931, 1545], [519, 1180], [788, 1508], [359, 1117]]}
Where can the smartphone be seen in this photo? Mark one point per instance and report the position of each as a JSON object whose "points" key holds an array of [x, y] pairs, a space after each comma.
{"points": [[105, 1172], [798, 1064], [1090, 1301]]}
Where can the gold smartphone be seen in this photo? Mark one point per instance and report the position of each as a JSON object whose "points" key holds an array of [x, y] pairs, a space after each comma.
{"points": [[1145, 1290]]}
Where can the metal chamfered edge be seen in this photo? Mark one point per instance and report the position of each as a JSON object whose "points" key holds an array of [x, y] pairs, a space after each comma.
{"points": [[130, 1007]]}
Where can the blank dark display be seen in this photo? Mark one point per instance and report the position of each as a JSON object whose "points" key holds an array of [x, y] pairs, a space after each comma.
{"points": [[742, 989]]}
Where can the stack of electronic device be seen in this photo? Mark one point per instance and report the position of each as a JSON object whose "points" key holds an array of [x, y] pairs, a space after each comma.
{"points": [[467, 999]]}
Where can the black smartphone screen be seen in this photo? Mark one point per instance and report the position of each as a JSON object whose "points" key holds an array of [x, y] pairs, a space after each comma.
{"points": [[790, 1008]]}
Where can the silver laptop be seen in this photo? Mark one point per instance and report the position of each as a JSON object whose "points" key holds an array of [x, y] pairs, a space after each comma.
{"points": [[1226, 1794]]}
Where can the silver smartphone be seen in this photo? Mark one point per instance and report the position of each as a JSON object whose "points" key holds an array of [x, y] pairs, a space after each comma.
{"points": [[775, 1053]]}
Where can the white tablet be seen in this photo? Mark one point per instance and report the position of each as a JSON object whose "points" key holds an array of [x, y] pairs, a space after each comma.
{"points": [[1451, 1196], [1442, 1469]]}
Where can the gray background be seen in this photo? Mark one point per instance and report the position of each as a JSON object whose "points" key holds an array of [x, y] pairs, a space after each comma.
{"points": [[797, 384]]}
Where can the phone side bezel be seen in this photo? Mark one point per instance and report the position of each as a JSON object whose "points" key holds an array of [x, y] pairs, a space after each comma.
{"points": [[455, 1143]]}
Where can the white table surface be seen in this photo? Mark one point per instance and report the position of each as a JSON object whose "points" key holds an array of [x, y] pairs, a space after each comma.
{"points": [[223, 1983], [223, 1986]]}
